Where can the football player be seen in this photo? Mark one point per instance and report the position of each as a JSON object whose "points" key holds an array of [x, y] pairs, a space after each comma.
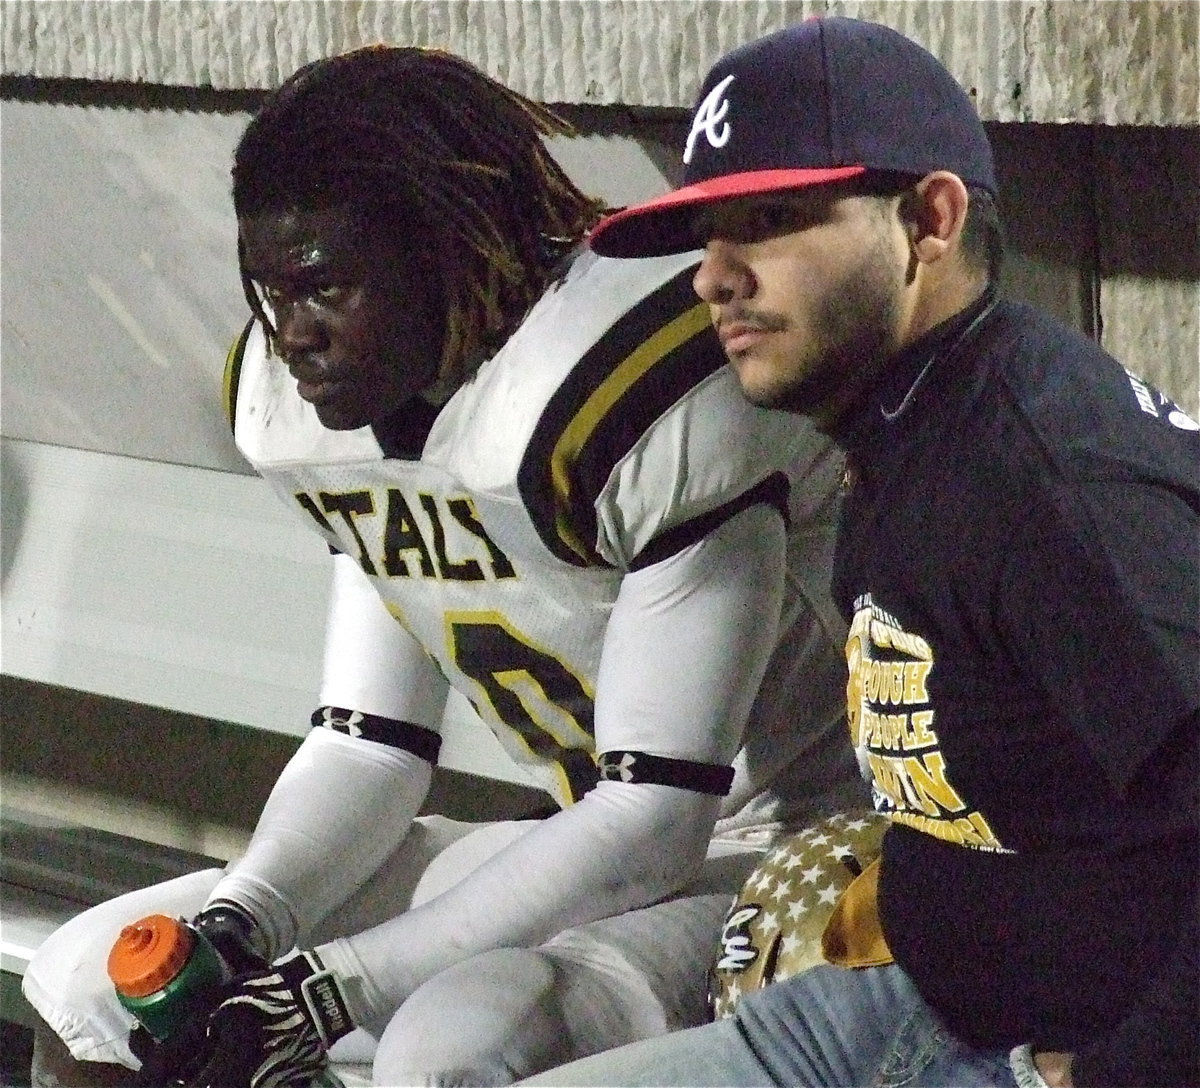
{"points": [[543, 489]]}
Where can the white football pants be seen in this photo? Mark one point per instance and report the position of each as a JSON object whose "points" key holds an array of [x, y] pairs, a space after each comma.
{"points": [[492, 1019]]}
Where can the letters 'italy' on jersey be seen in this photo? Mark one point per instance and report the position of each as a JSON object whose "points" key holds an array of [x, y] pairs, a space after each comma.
{"points": [[608, 433]]}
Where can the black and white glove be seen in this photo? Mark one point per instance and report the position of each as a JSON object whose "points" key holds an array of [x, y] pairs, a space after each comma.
{"points": [[274, 1027]]}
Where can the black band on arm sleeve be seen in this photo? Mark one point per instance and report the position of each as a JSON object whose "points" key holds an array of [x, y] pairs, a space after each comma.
{"points": [[417, 739], [685, 774]]}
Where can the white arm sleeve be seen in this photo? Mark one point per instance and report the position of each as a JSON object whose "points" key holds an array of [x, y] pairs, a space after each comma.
{"points": [[342, 804], [372, 663], [684, 652], [337, 810]]}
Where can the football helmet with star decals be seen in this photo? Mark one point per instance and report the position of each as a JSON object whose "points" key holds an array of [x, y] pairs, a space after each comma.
{"points": [[775, 926]]}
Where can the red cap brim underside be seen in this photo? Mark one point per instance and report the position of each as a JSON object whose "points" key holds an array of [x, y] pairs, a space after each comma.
{"points": [[663, 225]]}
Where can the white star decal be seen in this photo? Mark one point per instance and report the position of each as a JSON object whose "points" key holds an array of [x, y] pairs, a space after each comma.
{"points": [[788, 945], [828, 895], [811, 876], [763, 881]]}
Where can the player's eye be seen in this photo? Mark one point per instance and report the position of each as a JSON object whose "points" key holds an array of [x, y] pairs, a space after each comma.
{"points": [[771, 218]]}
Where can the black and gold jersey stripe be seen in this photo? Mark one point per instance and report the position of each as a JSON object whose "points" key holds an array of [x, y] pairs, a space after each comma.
{"points": [[233, 374], [643, 364], [772, 491]]}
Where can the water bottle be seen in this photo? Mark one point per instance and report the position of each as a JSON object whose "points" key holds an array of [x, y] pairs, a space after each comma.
{"points": [[168, 975], [164, 973]]}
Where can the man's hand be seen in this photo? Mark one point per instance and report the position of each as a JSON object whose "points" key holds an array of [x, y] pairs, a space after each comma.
{"points": [[274, 1027]]}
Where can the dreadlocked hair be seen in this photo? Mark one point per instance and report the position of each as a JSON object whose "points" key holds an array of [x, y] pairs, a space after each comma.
{"points": [[422, 143]]}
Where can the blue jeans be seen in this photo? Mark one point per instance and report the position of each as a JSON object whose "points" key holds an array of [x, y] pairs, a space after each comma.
{"points": [[829, 1027]]}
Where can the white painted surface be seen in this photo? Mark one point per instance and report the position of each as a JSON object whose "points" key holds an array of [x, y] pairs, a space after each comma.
{"points": [[170, 585], [120, 293], [27, 918], [177, 587]]}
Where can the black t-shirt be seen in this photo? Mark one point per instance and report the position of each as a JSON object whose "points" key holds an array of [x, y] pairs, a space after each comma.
{"points": [[1020, 564]]}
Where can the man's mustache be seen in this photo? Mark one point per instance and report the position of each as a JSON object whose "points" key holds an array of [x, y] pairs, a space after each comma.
{"points": [[758, 320]]}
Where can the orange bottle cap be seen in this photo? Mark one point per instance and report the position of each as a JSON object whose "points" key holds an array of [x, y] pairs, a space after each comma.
{"points": [[148, 954]]}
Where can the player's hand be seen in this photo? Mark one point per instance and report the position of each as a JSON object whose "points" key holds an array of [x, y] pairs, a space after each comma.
{"points": [[234, 936], [274, 1027], [167, 1063]]}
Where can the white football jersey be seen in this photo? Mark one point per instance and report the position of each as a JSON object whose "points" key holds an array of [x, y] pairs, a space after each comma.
{"points": [[606, 434]]}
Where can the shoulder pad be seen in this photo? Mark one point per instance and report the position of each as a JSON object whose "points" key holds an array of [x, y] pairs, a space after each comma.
{"points": [[233, 372], [654, 355]]}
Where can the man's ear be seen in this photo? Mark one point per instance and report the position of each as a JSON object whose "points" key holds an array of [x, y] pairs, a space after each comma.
{"points": [[934, 212]]}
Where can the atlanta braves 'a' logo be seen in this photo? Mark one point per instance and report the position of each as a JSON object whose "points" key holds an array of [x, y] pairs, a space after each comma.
{"points": [[710, 119]]}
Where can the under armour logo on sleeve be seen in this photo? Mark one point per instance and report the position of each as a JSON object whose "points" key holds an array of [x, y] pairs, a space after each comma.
{"points": [[684, 774], [617, 769], [339, 720], [710, 119], [420, 740]]}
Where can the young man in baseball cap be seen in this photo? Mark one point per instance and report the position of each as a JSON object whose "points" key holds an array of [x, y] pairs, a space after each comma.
{"points": [[1018, 565]]}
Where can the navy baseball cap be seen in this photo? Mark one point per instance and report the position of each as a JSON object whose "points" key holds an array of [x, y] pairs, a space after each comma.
{"points": [[821, 101]]}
